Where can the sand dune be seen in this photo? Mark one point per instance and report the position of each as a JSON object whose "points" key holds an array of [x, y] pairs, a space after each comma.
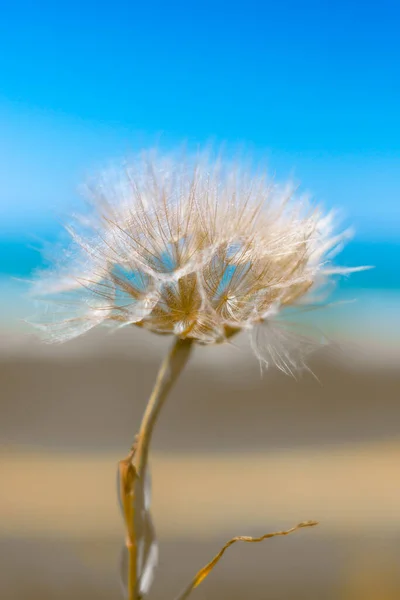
{"points": [[234, 453], [349, 489]]}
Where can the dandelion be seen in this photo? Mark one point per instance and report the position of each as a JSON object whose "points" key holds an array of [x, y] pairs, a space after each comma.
{"points": [[199, 251]]}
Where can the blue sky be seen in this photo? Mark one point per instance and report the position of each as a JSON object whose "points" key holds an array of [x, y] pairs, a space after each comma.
{"points": [[311, 87]]}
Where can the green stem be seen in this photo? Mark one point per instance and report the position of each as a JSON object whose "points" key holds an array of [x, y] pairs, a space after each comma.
{"points": [[169, 371]]}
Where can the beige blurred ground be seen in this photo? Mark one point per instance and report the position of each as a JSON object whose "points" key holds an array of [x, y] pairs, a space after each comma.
{"points": [[234, 453]]}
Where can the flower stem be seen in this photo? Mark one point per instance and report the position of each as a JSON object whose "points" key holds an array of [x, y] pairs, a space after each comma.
{"points": [[133, 467], [167, 375]]}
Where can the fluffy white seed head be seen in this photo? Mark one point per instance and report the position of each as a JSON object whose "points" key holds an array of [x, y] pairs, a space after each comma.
{"points": [[193, 249]]}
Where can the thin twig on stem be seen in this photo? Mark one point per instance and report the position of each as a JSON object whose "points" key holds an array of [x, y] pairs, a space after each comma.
{"points": [[205, 571]]}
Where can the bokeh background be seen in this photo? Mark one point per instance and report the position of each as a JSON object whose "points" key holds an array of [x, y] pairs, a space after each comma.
{"points": [[312, 90]]}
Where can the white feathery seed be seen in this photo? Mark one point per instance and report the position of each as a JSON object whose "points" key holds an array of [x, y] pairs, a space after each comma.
{"points": [[193, 249]]}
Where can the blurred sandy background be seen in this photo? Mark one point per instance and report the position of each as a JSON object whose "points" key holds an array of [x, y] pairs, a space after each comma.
{"points": [[234, 453], [309, 90]]}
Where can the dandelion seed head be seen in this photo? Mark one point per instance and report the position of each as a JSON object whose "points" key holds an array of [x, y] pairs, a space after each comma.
{"points": [[196, 249]]}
